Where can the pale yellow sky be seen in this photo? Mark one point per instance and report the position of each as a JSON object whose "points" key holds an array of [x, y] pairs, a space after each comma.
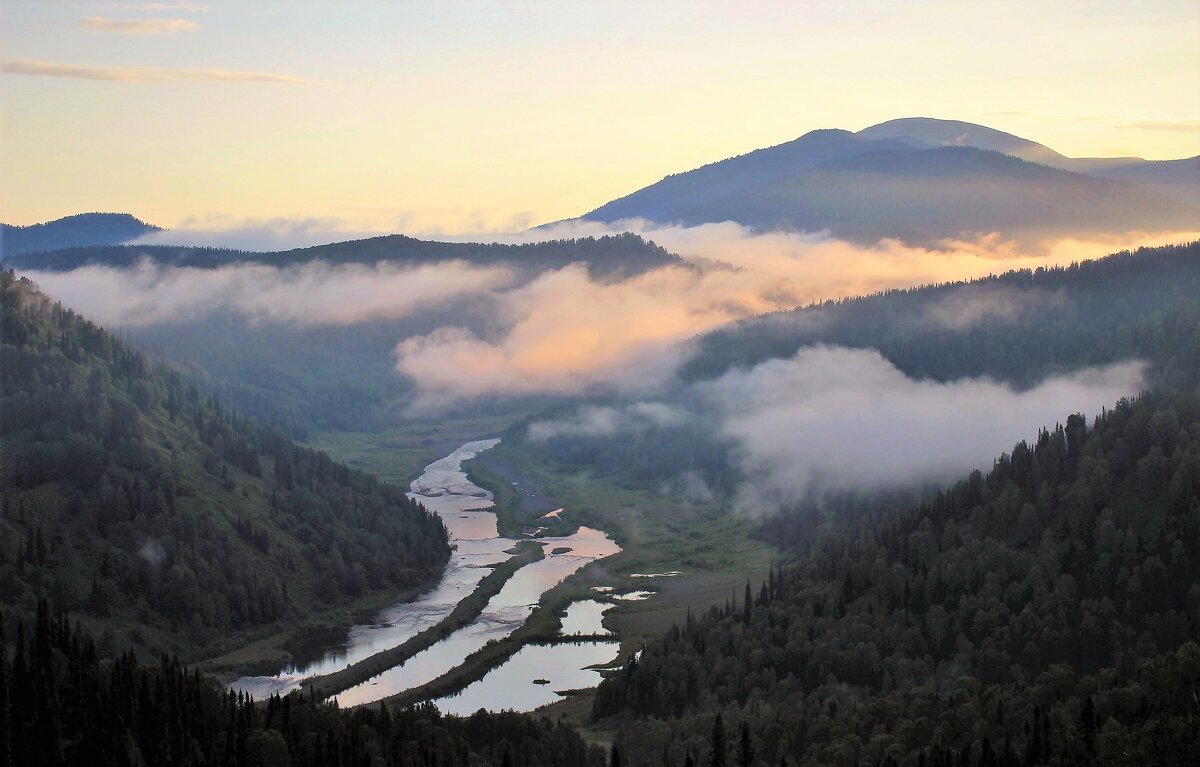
{"points": [[496, 116]]}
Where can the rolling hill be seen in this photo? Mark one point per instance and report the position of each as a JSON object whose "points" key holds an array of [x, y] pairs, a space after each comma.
{"points": [[605, 256], [85, 229]]}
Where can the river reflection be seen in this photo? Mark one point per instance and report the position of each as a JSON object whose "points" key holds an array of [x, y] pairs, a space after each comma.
{"points": [[445, 489], [585, 617], [503, 614], [462, 505], [512, 686]]}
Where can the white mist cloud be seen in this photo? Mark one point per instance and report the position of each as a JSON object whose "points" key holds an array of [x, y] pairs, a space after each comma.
{"points": [[971, 305], [566, 333], [601, 421], [569, 334], [315, 293], [261, 235], [836, 418], [561, 332]]}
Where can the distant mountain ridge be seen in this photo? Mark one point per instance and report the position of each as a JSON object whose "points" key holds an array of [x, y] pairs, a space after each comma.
{"points": [[608, 255], [885, 181], [84, 229]]}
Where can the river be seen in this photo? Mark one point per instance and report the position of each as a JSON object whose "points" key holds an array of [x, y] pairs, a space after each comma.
{"points": [[464, 507]]}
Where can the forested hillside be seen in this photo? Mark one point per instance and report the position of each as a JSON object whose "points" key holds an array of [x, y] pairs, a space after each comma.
{"points": [[161, 517], [1020, 328], [61, 704], [1043, 613]]}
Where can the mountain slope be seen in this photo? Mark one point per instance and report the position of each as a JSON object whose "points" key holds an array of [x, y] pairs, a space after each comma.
{"points": [[827, 180], [1042, 614], [1018, 327], [923, 196], [729, 177], [85, 229], [1177, 179], [166, 520]]}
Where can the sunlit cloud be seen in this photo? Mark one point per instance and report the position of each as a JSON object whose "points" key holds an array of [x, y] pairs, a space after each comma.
{"points": [[138, 26], [143, 74]]}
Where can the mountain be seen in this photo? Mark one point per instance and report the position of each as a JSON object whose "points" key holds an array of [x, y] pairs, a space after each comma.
{"points": [[605, 256], [166, 521], [661, 201], [927, 133], [922, 196], [85, 229], [921, 180], [1178, 179]]}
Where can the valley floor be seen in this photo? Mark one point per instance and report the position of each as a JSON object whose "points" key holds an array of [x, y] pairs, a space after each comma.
{"points": [[712, 551]]}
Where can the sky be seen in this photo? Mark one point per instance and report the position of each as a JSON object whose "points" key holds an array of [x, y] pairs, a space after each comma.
{"points": [[464, 117]]}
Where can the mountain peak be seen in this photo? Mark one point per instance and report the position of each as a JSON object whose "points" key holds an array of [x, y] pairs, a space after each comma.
{"points": [[931, 132]]}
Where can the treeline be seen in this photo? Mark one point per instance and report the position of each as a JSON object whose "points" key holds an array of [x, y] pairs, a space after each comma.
{"points": [[608, 256], [61, 704], [1042, 614], [128, 495]]}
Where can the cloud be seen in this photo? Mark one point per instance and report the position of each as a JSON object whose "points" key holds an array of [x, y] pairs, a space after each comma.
{"points": [[271, 234], [836, 418], [567, 334], [560, 332], [138, 26], [831, 268], [597, 421], [1178, 126], [311, 294], [143, 74], [153, 552], [971, 305]]}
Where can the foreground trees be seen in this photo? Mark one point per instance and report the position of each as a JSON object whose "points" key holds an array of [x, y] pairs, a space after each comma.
{"points": [[60, 704]]}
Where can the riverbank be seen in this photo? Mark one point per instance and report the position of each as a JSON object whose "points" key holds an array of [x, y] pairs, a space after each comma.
{"points": [[299, 641]]}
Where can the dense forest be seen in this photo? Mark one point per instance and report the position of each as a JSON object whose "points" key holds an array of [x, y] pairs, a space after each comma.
{"points": [[164, 518], [62, 704], [1020, 328], [1043, 613]]}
